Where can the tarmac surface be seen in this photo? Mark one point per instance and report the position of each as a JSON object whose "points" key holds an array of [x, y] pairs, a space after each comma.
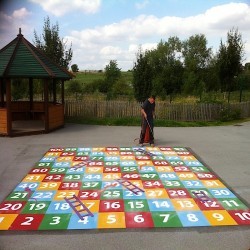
{"points": [[225, 149]]}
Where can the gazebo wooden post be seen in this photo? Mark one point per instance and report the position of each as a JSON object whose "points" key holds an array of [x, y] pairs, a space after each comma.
{"points": [[31, 92], [46, 104], [8, 106], [54, 91], [1, 93], [62, 92]]}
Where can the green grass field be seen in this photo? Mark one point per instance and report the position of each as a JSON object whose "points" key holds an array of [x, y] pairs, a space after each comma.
{"points": [[211, 97]]}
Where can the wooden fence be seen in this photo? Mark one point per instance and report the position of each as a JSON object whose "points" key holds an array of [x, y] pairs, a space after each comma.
{"points": [[175, 112]]}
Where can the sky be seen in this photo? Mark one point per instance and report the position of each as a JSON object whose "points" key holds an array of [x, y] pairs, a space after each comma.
{"points": [[104, 30]]}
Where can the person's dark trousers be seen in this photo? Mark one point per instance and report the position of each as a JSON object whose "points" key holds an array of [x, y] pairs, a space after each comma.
{"points": [[143, 131]]}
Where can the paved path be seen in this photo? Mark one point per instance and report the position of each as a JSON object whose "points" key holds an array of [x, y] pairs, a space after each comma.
{"points": [[225, 149]]}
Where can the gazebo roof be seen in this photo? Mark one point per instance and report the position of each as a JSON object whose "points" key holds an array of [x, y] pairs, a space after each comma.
{"points": [[20, 58]]}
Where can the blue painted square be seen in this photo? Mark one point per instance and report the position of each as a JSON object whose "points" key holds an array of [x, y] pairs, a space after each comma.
{"points": [[221, 193], [107, 183], [193, 184], [43, 195], [92, 177], [62, 164], [31, 185], [148, 169], [87, 223], [127, 194], [76, 170], [193, 164], [59, 207], [193, 219], [160, 205]]}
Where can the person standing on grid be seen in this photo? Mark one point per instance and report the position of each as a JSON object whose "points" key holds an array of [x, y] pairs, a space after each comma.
{"points": [[147, 125]]}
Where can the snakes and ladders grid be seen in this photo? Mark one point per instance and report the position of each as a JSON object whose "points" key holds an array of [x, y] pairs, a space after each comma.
{"points": [[120, 187]]}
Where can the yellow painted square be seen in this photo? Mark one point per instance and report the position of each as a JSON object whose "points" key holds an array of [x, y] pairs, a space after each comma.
{"points": [[94, 170], [6, 220], [111, 220], [127, 157], [186, 176], [137, 183], [164, 169], [98, 149], [188, 158], [60, 195], [156, 193], [185, 205], [64, 158], [219, 218], [172, 153], [92, 205], [34, 178], [110, 176], [110, 153], [73, 163], [213, 184], [48, 186], [145, 163], [49, 154]]}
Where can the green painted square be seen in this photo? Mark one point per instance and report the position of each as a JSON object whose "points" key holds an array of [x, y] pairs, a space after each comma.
{"points": [[150, 176], [58, 170], [18, 196], [112, 194], [136, 205], [232, 204], [33, 207], [55, 221], [166, 219], [44, 164], [87, 185]]}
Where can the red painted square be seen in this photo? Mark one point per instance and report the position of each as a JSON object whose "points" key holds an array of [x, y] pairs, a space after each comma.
{"points": [[242, 217], [80, 158], [181, 169], [130, 176], [138, 219], [206, 176], [212, 204], [39, 171], [67, 154], [70, 185], [89, 195], [111, 206], [175, 193], [111, 170], [152, 184], [142, 158], [12, 207], [27, 222], [160, 163], [53, 177]]}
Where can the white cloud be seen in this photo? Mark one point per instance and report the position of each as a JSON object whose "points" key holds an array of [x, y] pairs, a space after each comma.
{"points": [[10, 24], [121, 40], [61, 7]]}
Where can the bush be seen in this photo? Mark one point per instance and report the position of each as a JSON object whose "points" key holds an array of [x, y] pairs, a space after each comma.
{"points": [[227, 114]]}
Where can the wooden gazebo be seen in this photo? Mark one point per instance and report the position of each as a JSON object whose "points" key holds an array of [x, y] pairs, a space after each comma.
{"points": [[21, 60]]}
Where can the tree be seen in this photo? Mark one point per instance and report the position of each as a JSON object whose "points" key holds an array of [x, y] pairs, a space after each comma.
{"points": [[167, 67], [52, 45], [230, 58], [74, 68], [196, 60], [111, 75], [142, 77], [74, 87]]}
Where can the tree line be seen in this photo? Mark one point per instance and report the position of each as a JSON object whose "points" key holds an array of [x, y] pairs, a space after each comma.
{"points": [[191, 68], [186, 67]]}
